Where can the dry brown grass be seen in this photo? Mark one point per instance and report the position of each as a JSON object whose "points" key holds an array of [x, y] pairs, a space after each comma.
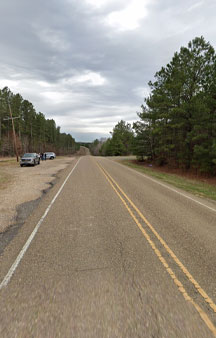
{"points": [[5, 161], [5, 176]]}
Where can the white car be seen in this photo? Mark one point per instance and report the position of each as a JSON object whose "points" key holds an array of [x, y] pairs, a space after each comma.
{"points": [[49, 155]]}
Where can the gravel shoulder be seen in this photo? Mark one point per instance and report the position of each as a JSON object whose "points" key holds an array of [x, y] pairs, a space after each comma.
{"points": [[22, 188]]}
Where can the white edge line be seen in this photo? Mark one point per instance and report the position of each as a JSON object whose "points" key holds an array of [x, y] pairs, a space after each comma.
{"points": [[12, 269], [164, 185]]}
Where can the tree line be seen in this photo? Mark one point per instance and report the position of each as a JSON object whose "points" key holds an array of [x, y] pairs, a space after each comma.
{"points": [[177, 122], [34, 133]]}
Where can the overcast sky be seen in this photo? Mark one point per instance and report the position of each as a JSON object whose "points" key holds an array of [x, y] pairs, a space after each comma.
{"points": [[87, 63]]}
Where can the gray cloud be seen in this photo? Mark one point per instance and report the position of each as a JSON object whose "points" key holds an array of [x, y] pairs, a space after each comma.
{"points": [[87, 64]]}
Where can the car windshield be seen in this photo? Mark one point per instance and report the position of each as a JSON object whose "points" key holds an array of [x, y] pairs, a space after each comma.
{"points": [[29, 155]]}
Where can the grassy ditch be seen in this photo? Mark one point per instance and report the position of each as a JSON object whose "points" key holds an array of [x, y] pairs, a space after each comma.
{"points": [[196, 187]]}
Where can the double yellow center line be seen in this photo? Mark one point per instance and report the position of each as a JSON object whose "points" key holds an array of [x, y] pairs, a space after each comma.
{"points": [[127, 201]]}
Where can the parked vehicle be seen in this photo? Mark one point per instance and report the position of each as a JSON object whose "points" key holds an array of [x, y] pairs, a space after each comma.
{"points": [[50, 155], [29, 159]]}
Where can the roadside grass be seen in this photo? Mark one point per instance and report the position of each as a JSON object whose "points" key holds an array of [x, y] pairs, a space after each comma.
{"points": [[5, 178], [195, 187], [5, 161]]}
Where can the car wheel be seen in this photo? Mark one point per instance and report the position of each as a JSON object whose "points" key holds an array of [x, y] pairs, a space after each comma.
{"points": [[34, 163], [38, 162], [21, 165]]}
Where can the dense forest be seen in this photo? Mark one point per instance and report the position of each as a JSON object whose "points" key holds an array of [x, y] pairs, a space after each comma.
{"points": [[177, 122], [34, 133], [121, 142]]}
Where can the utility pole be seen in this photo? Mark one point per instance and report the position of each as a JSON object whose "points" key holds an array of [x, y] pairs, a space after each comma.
{"points": [[14, 134]]}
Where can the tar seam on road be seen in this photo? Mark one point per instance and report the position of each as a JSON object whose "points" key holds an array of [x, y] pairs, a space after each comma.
{"points": [[166, 186], [12, 269], [180, 286]]}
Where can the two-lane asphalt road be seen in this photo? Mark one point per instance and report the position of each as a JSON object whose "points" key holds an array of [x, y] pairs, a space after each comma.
{"points": [[111, 253]]}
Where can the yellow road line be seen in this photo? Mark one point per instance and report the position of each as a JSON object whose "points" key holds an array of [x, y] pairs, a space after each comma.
{"points": [[180, 286], [175, 258]]}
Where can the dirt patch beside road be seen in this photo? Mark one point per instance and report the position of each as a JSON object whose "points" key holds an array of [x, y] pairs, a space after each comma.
{"points": [[21, 188]]}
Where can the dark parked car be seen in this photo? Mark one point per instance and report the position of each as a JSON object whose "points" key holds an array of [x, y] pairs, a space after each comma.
{"points": [[50, 155], [29, 159]]}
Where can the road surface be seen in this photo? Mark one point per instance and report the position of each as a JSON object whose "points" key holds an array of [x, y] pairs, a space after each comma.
{"points": [[110, 252]]}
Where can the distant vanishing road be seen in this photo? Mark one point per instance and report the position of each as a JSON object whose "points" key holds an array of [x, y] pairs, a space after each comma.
{"points": [[112, 253]]}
